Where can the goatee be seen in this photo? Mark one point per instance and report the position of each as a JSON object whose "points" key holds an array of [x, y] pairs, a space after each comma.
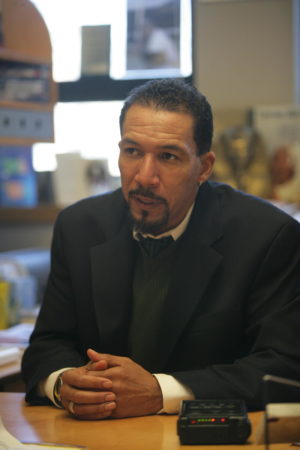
{"points": [[145, 225], [151, 227]]}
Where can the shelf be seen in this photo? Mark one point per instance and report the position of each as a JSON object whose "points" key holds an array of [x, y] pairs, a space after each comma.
{"points": [[13, 55], [28, 105], [39, 215], [25, 125]]}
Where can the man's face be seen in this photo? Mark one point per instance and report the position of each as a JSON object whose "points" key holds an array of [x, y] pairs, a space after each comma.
{"points": [[160, 169]]}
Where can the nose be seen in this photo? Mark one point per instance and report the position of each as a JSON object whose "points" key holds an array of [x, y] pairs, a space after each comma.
{"points": [[147, 172]]}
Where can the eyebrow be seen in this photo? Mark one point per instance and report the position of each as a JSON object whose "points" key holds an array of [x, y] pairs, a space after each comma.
{"points": [[163, 147], [129, 141]]}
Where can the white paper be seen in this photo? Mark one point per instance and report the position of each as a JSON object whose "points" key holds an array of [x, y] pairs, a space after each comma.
{"points": [[7, 441], [17, 334], [283, 409], [9, 354]]}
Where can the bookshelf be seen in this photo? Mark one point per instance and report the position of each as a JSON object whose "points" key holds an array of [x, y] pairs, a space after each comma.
{"points": [[39, 215], [27, 90]]}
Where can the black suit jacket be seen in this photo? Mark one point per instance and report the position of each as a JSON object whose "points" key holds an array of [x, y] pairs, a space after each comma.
{"points": [[232, 313]]}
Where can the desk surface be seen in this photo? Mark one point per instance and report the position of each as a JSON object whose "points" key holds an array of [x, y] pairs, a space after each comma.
{"points": [[49, 424]]}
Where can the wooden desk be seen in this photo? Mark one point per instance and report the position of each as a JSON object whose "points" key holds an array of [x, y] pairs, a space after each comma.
{"points": [[49, 424]]}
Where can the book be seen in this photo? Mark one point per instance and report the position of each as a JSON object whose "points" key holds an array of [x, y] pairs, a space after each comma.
{"points": [[4, 303], [9, 354], [18, 334], [18, 186]]}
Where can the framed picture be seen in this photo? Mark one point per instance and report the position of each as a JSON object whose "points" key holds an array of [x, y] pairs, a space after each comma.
{"points": [[151, 39]]}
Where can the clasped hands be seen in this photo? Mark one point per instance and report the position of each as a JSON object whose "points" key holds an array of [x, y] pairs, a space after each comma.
{"points": [[110, 386]]}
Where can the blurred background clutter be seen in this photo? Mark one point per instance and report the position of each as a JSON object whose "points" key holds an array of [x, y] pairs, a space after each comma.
{"points": [[65, 69]]}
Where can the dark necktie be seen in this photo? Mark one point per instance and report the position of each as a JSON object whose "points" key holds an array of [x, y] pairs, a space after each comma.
{"points": [[155, 246]]}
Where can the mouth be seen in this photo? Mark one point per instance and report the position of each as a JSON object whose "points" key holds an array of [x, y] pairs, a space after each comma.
{"points": [[146, 201], [145, 198]]}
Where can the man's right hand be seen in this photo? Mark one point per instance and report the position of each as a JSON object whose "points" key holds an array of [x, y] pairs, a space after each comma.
{"points": [[87, 394]]}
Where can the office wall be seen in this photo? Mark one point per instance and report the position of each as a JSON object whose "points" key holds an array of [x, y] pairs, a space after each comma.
{"points": [[244, 52], [243, 55]]}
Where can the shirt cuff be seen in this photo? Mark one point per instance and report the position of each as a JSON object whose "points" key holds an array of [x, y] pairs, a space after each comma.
{"points": [[173, 393], [46, 386]]}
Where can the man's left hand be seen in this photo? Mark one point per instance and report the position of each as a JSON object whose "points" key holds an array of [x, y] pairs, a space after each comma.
{"points": [[137, 390]]}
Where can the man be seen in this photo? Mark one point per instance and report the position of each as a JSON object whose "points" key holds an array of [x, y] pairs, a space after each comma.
{"points": [[125, 332]]}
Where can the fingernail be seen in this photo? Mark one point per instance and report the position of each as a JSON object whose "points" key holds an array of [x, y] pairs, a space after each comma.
{"points": [[109, 406], [110, 397]]}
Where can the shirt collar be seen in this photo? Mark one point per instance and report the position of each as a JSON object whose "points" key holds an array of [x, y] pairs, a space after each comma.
{"points": [[175, 232]]}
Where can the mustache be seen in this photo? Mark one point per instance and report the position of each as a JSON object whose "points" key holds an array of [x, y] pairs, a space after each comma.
{"points": [[146, 193]]}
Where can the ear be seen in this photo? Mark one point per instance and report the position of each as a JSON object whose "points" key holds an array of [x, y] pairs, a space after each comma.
{"points": [[207, 164]]}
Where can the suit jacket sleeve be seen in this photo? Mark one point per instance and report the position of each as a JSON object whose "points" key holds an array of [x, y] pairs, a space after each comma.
{"points": [[272, 328], [55, 341]]}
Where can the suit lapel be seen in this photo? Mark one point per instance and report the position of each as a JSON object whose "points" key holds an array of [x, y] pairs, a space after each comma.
{"points": [[112, 266], [196, 263]]}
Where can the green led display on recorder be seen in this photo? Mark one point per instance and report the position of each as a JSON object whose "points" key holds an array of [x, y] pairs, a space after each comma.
{"points": [[213, 421]]}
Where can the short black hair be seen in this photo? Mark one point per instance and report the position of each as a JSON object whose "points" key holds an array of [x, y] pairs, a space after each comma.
{"points": [[175, 95]]}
